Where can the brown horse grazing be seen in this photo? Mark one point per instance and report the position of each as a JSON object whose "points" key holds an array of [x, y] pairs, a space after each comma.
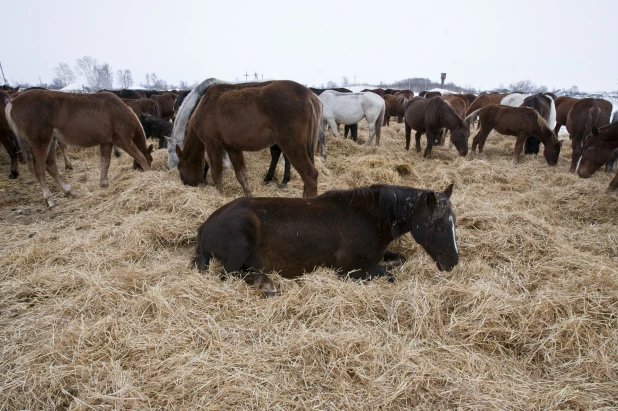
{"points": [[585, 114], [563, 106], [143, 106], [484, 100], [393, 108], [167, 104], [515, 121], [431, 115], [458, 104], [378, 91], [250, 117], [599, 147], [347, 230], [8, 139], [40, 117]]}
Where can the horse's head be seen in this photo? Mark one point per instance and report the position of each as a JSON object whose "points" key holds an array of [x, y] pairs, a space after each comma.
{"points": [[551, 152], [594, 154], [459, 137], [433, 227], [192, 173], [147, 155]]}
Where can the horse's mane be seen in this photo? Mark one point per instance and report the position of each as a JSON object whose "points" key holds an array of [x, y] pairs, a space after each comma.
{"points": [[439, 103]]}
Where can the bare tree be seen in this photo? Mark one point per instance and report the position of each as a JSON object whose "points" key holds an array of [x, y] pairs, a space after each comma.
{"points": [[104, 76], [184, 85], [345, 82], [154, 83], [64, 76], [124, 78], [525, 86], [331, 84], [86, 66]]}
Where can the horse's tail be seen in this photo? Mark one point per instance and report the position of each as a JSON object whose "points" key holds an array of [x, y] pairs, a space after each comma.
{"points": [[314, 129], [473, 117], [593, 119], [182, 119], [19, 140], [202, 258]]}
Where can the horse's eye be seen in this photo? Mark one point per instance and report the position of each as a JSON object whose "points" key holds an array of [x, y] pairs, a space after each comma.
{"points": [[587, 146]]}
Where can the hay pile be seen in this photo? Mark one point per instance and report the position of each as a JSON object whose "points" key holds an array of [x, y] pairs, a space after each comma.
{"points": [[99, 307]]}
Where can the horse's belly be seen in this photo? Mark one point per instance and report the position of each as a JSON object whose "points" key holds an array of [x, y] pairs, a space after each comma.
{"points": [[348, 115]]}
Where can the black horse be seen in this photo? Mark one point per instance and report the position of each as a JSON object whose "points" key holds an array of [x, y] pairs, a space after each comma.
{"points": [[347, 230]]}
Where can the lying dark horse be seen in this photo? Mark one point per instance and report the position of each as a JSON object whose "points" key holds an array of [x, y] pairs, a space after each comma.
{"points": [[599, 147], [347, 230]]}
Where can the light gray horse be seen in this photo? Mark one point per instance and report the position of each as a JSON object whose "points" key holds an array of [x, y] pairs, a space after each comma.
{"points": [[182, 119], [350, 108]]}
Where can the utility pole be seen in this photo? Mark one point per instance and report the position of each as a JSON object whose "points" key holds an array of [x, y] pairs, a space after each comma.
{"points": [[255, 75], [246, 76], [3, 78]]}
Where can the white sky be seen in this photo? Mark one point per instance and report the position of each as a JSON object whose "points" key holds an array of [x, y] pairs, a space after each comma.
{"points": [[477, 43]]}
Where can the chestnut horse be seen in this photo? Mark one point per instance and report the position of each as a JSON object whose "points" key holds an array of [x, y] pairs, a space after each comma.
{"points": [[515, 121], [8, 139], [563, 106], [599, 147], [346, 230], [585, 114], [40, 117], [166, 103], [250, 117], [143, 105], [431, 115]]}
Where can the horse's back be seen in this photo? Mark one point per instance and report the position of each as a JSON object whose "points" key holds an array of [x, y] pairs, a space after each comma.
{"points": [[582, 110]]}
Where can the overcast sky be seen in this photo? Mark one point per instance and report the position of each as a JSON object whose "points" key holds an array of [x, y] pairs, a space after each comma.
{"points": [[478, 43]]}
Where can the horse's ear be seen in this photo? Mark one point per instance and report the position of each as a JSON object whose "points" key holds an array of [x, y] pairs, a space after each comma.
{"points": [[595, 131], [178, 151], [432, 201], [150, 148], [449, 190]]}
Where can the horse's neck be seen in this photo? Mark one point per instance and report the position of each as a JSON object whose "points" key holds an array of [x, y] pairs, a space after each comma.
{"points": [[193, 147], [450, 119]]}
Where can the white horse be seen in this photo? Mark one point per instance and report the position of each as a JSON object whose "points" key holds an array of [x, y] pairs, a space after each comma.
{"points": [[517, 99], [350, 108], [182, 120]]}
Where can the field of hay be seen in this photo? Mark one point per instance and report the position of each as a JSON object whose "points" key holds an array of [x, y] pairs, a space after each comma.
{"points": [[99, 308]]}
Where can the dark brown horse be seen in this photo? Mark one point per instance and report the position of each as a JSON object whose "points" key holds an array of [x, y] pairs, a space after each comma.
{"points": [[563, 106], [515, 121], [251, 117], [468, 98], [599, 147], [8, 139], [431, 115], [585, 114], [347, 230], [167, 104], [143, 106], [389, 110], [155, 127], [40, 117], [458, 104]]}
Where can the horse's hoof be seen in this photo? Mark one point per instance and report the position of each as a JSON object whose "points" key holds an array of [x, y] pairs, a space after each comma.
{"points": [[269, 294], [13, 175], [283, 186], [68, 167], [104, 184], [481, 156], [54, 208]]}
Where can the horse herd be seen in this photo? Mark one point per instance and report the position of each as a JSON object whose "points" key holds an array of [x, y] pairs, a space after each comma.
{"points": [[216, 120]]}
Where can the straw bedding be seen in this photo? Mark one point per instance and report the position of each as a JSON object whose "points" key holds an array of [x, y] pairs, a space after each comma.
{"points": [[99, 308]]}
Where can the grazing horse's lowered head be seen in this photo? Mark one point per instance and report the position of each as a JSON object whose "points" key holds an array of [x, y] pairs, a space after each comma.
{"points": [[598, 149]]}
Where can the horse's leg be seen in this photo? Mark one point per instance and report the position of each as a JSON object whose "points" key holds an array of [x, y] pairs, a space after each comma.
{"points": [[275, 154], [408, 136], [372, 130], [417, 140], [215, 160], [238, 162], [334, 127], [576, 144], [354, 131], [393, 259], [346, 130], [298, 157], [262, 282], [65, 154], [52, 168], [613, 185], [116, 152], [106, 157], [431, 137], [557, 128], [372, 272], [519, 146], [479, 140], [286, 173], [609, 166]]}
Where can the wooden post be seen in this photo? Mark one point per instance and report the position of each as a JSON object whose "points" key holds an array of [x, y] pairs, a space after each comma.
{"points": [[443, 77]]}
